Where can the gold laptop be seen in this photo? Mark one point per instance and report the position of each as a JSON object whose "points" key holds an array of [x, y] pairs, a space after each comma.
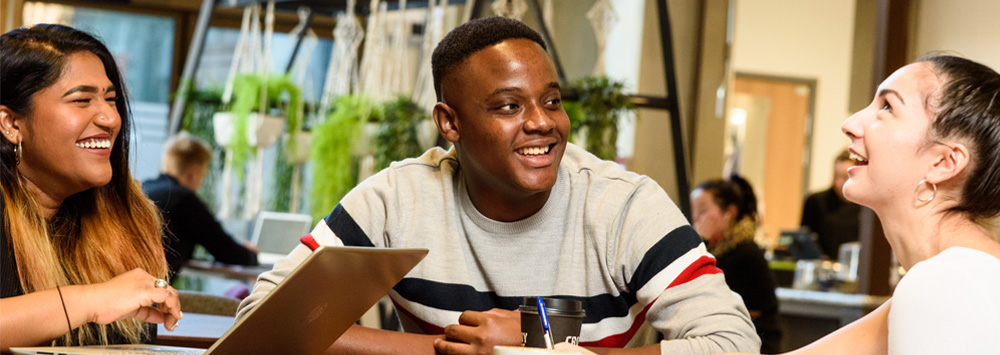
{"points": [[306, 313]]}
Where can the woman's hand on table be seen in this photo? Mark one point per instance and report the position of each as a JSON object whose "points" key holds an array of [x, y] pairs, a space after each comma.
{"points": [[132, 295], [479, 332]]}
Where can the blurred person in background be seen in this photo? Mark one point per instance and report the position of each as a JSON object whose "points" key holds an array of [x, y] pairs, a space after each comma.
{"points": [[189, 221], [724, 212], [829, 214]]}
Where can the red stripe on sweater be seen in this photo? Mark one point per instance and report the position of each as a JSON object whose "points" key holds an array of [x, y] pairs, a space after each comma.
{"points": [[426, 327], [705, 265]]}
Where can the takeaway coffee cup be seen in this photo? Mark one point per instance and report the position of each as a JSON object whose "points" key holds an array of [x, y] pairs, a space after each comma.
{"points": [[519, 350], [565, 320]]}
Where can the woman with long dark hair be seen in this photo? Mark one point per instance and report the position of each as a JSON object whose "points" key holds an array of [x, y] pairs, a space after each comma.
{"points": [[81, 259]]}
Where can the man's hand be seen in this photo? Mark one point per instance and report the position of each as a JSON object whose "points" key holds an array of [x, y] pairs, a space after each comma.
{"points": [[573, 349], [479, 332]]}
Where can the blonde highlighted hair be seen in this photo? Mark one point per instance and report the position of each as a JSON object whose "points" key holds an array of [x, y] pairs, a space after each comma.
{"points": [[96, 234]]}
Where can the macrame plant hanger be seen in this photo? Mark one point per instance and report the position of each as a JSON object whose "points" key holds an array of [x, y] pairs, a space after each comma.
{"points": [[255, 184], [223, 121], [603, 18], [342, 72], [297, 141], [512, 9], [423, 88]]}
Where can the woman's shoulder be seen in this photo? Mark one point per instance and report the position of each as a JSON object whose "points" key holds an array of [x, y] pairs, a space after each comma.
{"points": [[965, 257], [956, 267]]}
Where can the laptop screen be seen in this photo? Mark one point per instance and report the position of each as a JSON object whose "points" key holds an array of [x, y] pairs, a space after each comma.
{"points": [[278, 233]]}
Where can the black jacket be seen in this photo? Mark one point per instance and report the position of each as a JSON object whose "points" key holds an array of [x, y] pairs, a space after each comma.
{"points": [[748, 275], [190, 223]]}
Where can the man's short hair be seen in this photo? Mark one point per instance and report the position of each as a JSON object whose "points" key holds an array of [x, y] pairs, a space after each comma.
{"points": [[182, 151], [472, 37]]}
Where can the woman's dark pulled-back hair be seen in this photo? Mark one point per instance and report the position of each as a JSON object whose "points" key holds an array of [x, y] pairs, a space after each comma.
{"points": [[967, 107], [472, 37], [32, 59], [735, 191]]}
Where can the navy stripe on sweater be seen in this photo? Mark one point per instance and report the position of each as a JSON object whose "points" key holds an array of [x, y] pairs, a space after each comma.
{"points": [[345, 228], [460, 297]]}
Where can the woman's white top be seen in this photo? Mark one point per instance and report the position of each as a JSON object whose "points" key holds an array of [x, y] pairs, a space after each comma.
{"points": [[948, 304]]}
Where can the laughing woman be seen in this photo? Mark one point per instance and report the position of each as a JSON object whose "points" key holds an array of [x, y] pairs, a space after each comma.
{"points": [[928, 153], [80, 249]]}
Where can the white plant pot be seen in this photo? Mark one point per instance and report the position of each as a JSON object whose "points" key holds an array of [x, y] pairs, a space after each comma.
{"points": [[298, 152], [222, 123], [260, 132], [264, 130]]}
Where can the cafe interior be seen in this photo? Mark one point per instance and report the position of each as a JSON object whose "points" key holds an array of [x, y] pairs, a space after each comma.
{"points": [[695, 90]]}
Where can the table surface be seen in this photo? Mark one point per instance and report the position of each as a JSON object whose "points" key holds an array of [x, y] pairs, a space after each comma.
{"points": [[245, 273], [195, 330]]}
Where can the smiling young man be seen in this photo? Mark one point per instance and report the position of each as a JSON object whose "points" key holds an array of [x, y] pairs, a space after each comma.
{"points": [[513, 210]]}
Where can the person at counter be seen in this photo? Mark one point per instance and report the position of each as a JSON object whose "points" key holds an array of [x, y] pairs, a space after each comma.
{"points": [[724, 212], [829, 214], [927, 164], [81, 260], [189, 221], [513, 210]]}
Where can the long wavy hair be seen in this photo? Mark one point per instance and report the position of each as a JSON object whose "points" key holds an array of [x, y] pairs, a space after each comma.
{"points": [[96, 234]]}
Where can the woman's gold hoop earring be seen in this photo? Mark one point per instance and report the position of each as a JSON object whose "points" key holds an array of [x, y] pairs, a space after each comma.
{"points": [[18, 150], [916, 192]]}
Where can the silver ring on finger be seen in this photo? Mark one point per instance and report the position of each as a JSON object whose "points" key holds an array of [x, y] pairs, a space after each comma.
{"points": [[160, 283]]}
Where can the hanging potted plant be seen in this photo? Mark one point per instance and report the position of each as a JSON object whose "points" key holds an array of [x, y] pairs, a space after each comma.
{"points": [[397, 135], [334, 152], [244, 128], [595, 116]]}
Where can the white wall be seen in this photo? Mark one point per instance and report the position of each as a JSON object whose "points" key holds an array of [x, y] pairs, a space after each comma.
{"points": [[968, 28], [621, 62], [811, 39]]}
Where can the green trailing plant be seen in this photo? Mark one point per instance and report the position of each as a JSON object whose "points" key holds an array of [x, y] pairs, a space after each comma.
{"points": [[282, 175], [396, 137], [601, 104], [574, 111], [332, 153]]}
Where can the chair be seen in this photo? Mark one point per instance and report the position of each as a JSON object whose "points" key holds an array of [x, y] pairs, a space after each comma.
{"points": [[198, 302]]}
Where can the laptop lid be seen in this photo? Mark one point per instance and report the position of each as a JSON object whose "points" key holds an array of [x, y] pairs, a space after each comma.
{"points": [[318, 301], [277, 233], [309, 310]]}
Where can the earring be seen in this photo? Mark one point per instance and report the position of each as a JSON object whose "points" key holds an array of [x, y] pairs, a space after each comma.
{"points": [[18, 150], [916, 191]]}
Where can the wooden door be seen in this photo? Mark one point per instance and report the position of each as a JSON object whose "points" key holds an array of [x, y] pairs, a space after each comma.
{"points": [[774, 145]]}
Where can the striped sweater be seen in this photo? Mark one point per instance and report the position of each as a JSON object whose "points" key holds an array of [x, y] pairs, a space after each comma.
{"points": [[607, 237]]}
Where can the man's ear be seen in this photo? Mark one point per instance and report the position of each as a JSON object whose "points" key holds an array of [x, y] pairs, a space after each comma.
{"points": [[949, 163], [447, 122], [9, 127]]}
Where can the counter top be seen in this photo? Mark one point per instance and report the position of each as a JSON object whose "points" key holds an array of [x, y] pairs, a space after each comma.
{"points": [[843, 306]]}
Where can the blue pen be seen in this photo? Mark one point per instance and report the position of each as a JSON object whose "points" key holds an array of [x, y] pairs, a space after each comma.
{"points": [[545, 322]]}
